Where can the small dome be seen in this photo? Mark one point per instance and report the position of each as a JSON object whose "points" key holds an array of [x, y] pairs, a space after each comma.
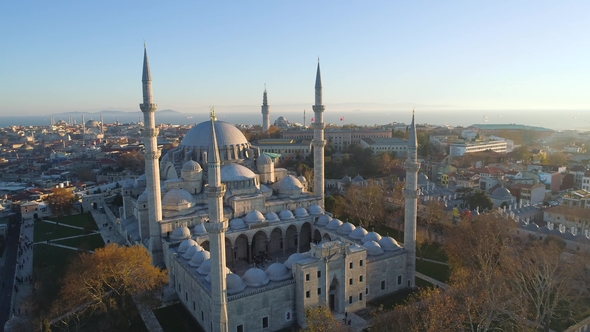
{"points": [[205, 267], [278, 272], [253, 217], [198, 258], [143, 197], [264, 159], [265, 189], [208, 277], [346, 228], [191, 166], [422, 178], [272, 217], [184, 245], [286, 215], [323, 220], [358, 178], [180, 233], [237, 224], [200, 229], [301, 212], [373, 248], [302, 179], [544, 230], [177, 197], [502, 193], [315, 210], [358, 233], [293, 258], [534, 227], [582, 238], [234, 283], [372, 236], [568, 236], [389, 244], [255, 277], [289, 182], [191, 251], [236, 172], [334, 224]]}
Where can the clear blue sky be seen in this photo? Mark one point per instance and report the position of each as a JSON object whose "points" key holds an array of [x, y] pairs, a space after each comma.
{"points": [[87, 55]]}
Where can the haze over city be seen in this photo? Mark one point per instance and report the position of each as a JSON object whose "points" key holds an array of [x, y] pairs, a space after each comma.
{"points": [[383, 56]]}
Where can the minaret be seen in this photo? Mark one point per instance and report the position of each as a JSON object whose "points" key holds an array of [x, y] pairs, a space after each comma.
{"points": [[101, 124], [83, 126], [151, 155], [318, 139], [411, 193], [216, 228], [265, 112]]}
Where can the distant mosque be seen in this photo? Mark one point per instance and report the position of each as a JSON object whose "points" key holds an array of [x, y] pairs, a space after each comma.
{"points": [[247, 246]]}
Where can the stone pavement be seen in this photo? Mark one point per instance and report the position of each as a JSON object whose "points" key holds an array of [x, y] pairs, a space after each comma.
{"points": [[357, 323], [107, 229], [432, 280]]}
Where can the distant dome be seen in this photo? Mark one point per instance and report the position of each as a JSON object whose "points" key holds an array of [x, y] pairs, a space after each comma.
{"points": [[372, 236], [502, 193], [271, 217], [237, 224], [255, 277], [198, 258], [200, 135], [358, 233], [191, 251], [200, 229], [292, 259], [334, 224], [346, 228], [236, 172], [180, 233], [92, 123], [191, 166], [177, 197], [143, 197], [278, 272], [289, 182], [234, 283], [286, 215], [358, 178], [301, 212], [205, 267], [184, 245], [323, 220], [315, 210], [373, 248], [422, 178], [389, 244], [253, 217], [264, 159]]}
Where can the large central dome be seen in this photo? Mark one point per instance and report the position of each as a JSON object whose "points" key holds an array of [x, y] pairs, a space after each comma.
{"points": [[200, 136]]}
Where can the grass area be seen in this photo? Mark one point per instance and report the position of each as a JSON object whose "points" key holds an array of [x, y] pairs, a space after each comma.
{"points": [[421, 283], [432, 251], [564, 319], [390, 301], [176, 318], [49, 264], [84, 220], [437, 271], [88, 242], [44, 231]]}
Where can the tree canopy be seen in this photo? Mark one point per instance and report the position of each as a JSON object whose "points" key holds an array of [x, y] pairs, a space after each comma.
{"points": [[61, 202]]}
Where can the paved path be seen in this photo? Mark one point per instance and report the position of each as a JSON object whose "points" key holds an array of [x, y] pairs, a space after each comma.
{"points": [[62, 224], [357, 323], [432, 280], [433, 261]]}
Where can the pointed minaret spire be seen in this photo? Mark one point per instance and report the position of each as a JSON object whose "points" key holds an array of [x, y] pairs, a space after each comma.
{"points": [[412, 139], [213, 154], [318, 139], [265, 111], [411, 193]]}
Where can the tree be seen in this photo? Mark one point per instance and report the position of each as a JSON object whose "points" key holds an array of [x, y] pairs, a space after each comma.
{"points": [[103, 284], [61, 202], [559, 159], [365, 203], [133, 161], [86, 174], [480, 199], [320, 319]]}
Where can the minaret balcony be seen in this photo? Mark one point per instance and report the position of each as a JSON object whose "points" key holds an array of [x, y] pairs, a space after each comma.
{"points": [[151, 107], [318, 108], [150, 132], [216, 227], [412, 194]]}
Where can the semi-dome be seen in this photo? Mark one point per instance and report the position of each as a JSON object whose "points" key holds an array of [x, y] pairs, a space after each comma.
{"points": [[286, 215], [200, 135], [346, 228], [301, 212], [234, 283], [264, 159], [323, 220], [236, 172], [373, 248], [191, 166], [198, 258], [272, 217], [502, 193], [315, 210], [389, 244], [358, 233], [180, 233], [292, 259], [184, 245], [372, 236], [253, 217], [278, 272], [191, 251], [237, 224], [177, 197], [200, 229], [334, 224], [289, 182], [255, 277], [205, 267]]}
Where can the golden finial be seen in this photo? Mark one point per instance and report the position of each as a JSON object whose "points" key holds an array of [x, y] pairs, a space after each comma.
{"points": [[212, 108]]}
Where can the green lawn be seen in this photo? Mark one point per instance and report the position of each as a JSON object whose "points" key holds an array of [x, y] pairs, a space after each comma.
{"points": [[432, 251], [390, 301], [437, 271], [420, 283], [84, 220], [176, 318], [44, 231], [49, 264], [88, 242]]}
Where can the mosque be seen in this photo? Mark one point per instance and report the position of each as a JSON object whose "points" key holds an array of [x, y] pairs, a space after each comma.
{"points": [[247, 246]]}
